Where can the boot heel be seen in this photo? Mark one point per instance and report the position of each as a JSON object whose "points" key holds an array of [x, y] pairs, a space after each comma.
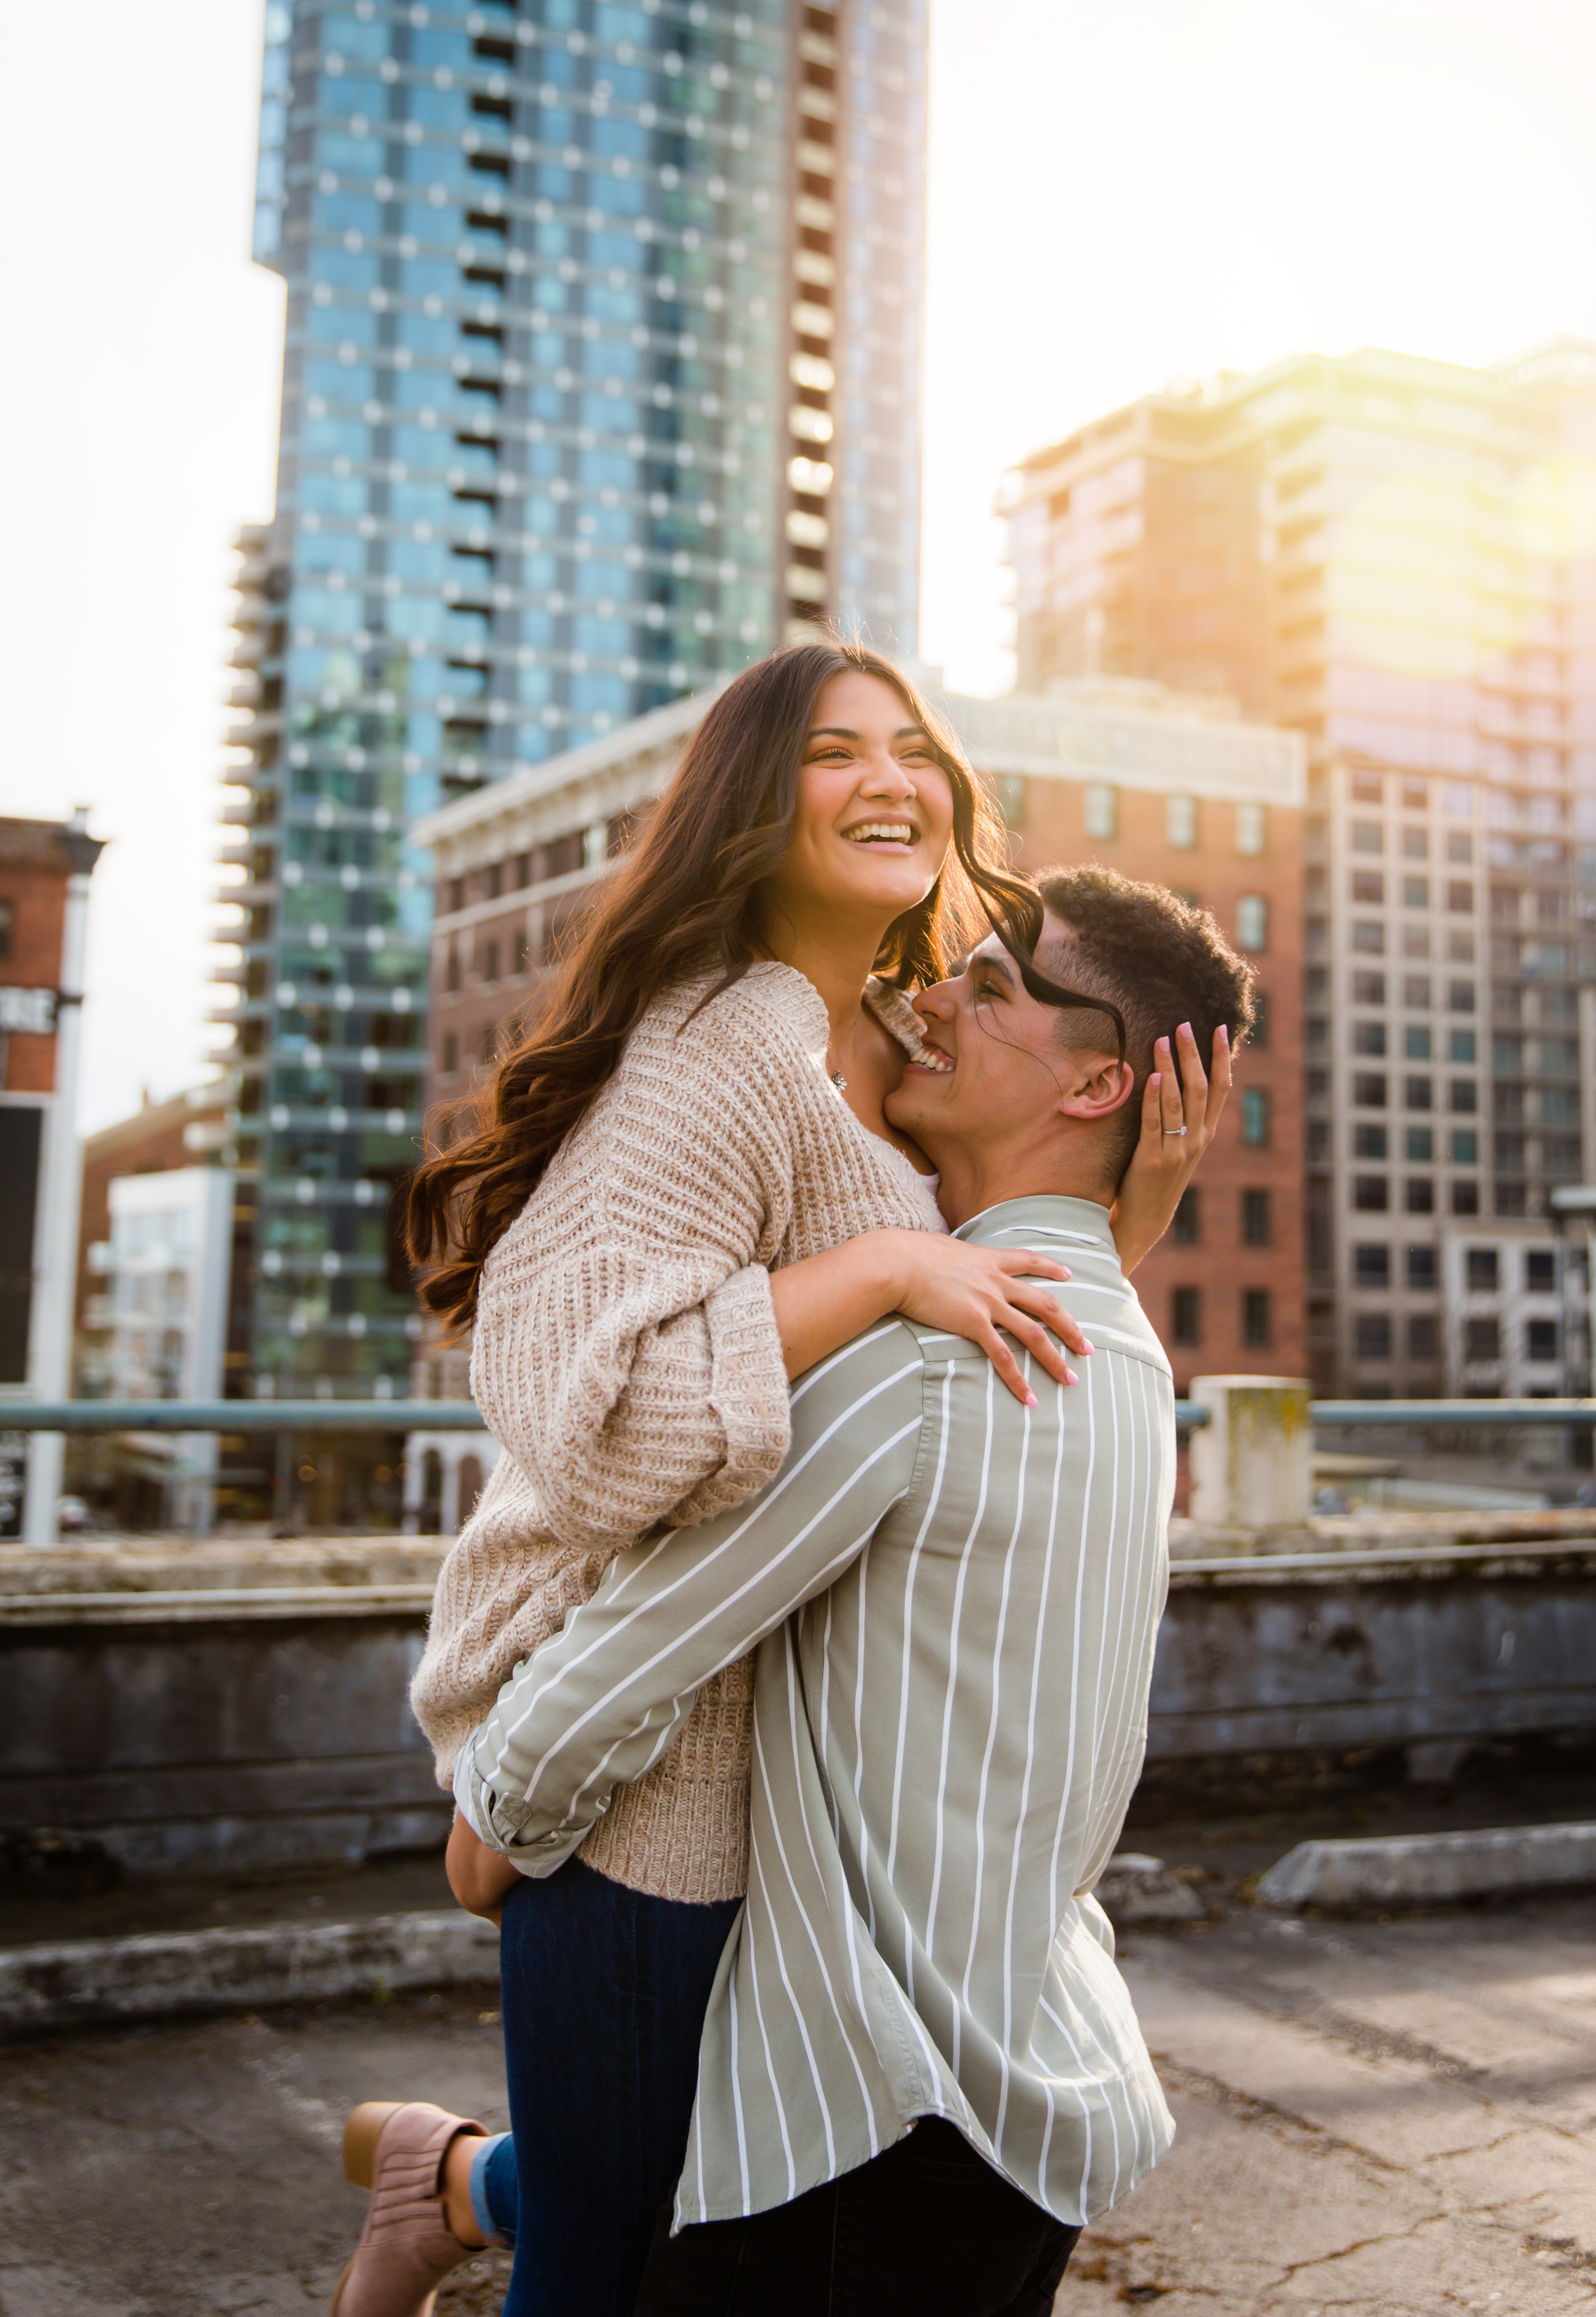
{"points": [[361, 2131]]}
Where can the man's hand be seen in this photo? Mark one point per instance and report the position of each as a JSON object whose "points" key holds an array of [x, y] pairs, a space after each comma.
{"points": [[480, 1878]]}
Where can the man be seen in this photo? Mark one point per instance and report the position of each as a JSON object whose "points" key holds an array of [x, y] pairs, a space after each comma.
{"points": [[948, 1724]]}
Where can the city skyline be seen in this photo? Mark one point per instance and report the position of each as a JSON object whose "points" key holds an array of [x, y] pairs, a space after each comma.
{"points": [[1400, 238], [601, 377]]}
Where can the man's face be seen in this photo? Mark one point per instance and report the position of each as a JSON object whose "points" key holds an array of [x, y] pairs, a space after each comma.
{"points": [[995, 1071]]}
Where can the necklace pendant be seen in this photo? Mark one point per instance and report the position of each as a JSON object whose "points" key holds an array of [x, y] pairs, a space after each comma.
{"points": [[840, 1082]]}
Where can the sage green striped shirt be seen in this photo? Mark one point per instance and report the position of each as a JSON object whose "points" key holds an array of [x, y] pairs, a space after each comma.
{"points": [[957, 1599]]}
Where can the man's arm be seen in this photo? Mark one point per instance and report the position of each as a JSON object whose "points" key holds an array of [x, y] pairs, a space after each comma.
{"points": [[597, 1706]]}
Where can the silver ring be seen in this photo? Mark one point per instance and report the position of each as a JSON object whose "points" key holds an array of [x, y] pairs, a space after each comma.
{"points": [[1172, 1130]]}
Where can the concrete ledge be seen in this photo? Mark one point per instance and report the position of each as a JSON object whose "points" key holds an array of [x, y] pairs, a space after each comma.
{"points": [[1133, 1888], [1430, 1869], [90, 1983]]}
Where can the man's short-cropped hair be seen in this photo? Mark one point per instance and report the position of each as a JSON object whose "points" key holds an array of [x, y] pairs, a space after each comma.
{"points": [[1160, 959]]}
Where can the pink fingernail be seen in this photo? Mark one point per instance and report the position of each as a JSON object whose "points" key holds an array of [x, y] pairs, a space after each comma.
{"points": [[1222, 1033], [1070, 1376], [1030, 1399], [1088, 1348]]}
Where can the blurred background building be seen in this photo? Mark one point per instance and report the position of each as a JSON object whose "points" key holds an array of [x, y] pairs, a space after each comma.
{"points": [[1161, 787], [1396, 558], [602, 375], [45, 868]]}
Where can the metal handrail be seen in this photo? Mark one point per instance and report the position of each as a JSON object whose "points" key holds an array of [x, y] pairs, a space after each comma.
{"points": [[463, 1414]]}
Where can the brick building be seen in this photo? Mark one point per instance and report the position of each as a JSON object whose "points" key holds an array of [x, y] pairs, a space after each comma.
{"points": [[1172, 791], [45, 867]]}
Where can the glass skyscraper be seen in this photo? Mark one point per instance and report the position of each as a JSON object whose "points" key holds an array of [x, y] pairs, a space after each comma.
{"points": [[602, 376]]}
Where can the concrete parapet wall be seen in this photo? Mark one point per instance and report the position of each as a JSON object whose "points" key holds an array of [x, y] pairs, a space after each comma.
{"points": [[234, 1728]]}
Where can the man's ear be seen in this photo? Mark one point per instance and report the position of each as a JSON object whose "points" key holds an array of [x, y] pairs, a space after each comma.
{"points": [[1101, 1085]]}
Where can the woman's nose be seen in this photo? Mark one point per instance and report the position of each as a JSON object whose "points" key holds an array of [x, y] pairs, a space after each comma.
{"points": [[886, 776]]}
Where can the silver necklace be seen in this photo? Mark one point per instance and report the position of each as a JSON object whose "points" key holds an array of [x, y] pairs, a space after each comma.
{"points": [[838, 1081]]}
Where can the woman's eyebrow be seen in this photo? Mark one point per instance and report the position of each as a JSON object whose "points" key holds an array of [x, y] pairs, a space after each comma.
{"points": [[846, 732]]}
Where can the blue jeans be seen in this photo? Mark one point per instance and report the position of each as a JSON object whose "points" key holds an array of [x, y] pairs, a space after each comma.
{"points": [[604, 1992]]}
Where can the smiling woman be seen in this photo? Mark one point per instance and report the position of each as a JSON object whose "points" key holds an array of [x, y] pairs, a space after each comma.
{"points": [[682, 1190]]}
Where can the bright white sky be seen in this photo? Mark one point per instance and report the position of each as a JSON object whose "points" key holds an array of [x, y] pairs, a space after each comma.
{"points": [[1119, 195]]}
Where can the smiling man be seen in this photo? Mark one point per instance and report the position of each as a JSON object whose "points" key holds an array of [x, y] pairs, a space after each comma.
{"points": [[921, 2074]]}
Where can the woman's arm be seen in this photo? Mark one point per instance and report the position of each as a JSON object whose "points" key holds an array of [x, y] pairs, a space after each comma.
{"points": [[1179, 1116], [826, 1300]]}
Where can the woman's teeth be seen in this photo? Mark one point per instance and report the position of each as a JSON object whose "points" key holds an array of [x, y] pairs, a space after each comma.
{"points": [[881, 832], [929, 1058]]}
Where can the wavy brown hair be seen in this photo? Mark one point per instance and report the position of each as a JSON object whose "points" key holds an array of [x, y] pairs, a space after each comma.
{"points": [[682, 905]]}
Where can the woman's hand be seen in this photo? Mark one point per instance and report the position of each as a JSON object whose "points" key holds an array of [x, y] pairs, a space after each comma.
{"points": [[978, 1293], [480, 1879], [823, 1301], [1179, 1118]]}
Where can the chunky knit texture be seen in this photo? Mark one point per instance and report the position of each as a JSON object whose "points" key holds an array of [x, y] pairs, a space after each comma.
{"points": [[627, 1359]]}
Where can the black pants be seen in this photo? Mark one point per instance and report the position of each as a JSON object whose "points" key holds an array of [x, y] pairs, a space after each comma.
{"points": [[926, 2230]]}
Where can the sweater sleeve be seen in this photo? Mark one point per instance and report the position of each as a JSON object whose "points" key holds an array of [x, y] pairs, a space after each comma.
{"points": [[638, 1376]]}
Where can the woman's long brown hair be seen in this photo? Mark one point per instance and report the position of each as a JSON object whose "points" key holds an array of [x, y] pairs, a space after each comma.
{"points": [[683, 905]]}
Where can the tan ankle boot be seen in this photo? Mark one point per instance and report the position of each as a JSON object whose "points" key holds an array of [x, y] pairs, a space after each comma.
{"points": [[406, 2250]]}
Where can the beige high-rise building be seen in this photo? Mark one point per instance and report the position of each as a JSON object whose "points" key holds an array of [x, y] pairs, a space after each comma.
{"points": [[1396, 558]]}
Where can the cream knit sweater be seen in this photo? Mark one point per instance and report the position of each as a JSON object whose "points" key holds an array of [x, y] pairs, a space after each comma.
{"points": [[626, 1358]]}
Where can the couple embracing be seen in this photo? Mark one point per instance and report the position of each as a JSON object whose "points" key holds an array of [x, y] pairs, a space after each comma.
{"points": [[791, 1674]]}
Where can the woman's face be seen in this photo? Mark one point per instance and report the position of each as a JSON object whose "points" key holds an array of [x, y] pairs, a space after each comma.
{"points": [[874, 811]]}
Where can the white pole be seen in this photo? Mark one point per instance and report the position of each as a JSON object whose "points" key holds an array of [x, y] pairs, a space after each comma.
{"points": [[61, 1191]]}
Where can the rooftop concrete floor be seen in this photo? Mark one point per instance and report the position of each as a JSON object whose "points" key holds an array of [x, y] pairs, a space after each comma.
{"points": [[1395, 2117]]}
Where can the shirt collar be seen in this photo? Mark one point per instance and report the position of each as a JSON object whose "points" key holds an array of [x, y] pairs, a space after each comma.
{"points": [[1039, 1218]]}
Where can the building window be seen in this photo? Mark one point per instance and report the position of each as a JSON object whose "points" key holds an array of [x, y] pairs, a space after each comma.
{"points": [[1186, 1228], [1369, 1143], [1415, 892], [522, 871], [1251, 828], [1257, 1230], [1462, 1098], [7, 926], [1181, 822], [1371, 1265], [1422, 1272], [488, 1040], [1253, 923], [1465, 1147], [1367, 836], [1370, 1193], [1367, 788], [1010, 789], [1187, 1315], [1460, 847], [1368, 1089], [490, 961], [1102, 809], [1256, 1332], [1368, 888], [1368, 936], [1255, 1118], [1415, 797], [1417, 993], [1540, 1271], [1419, 1094], [1420, 1197], [1461, 996], [1372, 1335], [1415, 1041], [1482, 1340], [1423, 1336], [1483, 1273], [1465, 1198], [1419, 1146], [1460, 1045], [1543, 1339], [1258, 1037], [1368, 1037], [1510, 1199], [1460, 948], [1369, 989], [451, 967], [1459, 897], [450, 1055]]}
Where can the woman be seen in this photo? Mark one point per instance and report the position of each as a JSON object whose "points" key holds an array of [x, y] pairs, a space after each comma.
{"points": [[682, 1191]]}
